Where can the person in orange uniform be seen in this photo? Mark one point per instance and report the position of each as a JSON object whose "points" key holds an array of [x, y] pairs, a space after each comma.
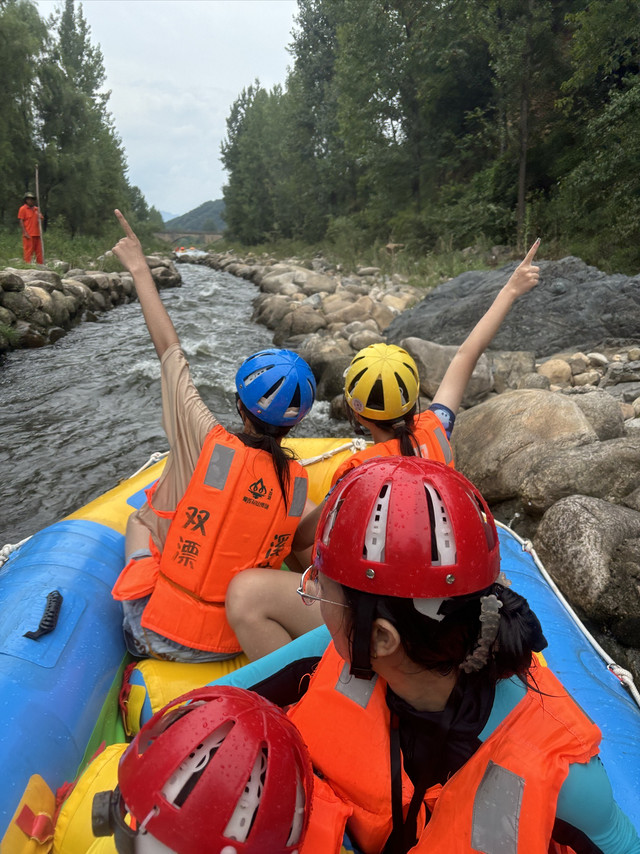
{"points": [[30, 219], [381, 392], [431, 724], [225, 502]]}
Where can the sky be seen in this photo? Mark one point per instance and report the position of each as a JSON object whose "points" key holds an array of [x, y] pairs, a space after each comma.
{"points": [[174, 68]]}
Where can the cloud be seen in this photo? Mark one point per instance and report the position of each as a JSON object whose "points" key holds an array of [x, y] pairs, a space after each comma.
{"points": [[174, 68]]}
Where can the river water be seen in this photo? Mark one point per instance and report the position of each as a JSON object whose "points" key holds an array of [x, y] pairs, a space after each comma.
{"points": [[78, 416]]}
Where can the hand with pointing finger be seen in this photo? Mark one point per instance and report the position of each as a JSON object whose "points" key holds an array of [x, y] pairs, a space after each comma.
{"points": [[128, 250], [526, 275]]}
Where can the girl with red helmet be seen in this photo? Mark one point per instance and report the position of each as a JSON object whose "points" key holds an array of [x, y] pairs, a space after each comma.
{"points": [[429, 717], [218, 770], [224, 503], [381, 396]]}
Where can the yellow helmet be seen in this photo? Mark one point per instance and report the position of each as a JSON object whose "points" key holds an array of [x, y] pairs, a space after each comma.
{"points": [[382, 382]]}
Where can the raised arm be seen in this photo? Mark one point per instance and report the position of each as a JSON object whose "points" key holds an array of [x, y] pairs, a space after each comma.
{"points": [[523, 279], [129, 252]]}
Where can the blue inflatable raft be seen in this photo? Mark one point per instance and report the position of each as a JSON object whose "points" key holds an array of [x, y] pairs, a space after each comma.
{"points": [[62, 651]]}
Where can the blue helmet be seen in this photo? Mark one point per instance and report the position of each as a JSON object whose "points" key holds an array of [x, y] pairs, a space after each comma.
{"points": [[276, 386]]}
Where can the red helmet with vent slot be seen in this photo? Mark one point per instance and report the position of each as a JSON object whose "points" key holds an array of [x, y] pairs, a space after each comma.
{"points": [[407, 527], [218, 769]]}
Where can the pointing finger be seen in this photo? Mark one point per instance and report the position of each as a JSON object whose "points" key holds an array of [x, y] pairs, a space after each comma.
{"points": [[125, 225], [531, 253]]}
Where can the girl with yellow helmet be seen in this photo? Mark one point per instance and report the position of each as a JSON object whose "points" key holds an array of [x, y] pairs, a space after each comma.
{"points": [[382, 386], [381, 391]]}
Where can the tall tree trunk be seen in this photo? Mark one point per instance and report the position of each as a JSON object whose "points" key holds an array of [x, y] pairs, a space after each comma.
{"points": [[525, 95]]}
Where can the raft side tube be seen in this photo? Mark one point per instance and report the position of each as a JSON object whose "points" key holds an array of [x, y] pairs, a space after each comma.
{"points": [[584, 674], [52, 688]]}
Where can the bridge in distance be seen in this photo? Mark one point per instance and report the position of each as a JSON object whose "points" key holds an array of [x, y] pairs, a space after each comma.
{"points": [[187, 238]]}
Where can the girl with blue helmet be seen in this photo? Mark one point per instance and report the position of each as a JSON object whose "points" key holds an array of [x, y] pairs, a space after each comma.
{"points": [[224, 503]]}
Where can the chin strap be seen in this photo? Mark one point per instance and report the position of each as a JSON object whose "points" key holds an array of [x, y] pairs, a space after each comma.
{"points": [[361, 644]]}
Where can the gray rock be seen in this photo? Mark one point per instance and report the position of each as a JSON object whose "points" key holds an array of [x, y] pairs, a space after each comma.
{"points": [[510, 367], [27, 336], [10, 281], [534, 380], [361, 309], [331, 380], [607, 470], [358, 326], [577, 540], [573, 306], [17, 303], [632, 427], [625, 392], [316, 284], [433, 360], [621, 372], [55, 334], [31, 277], [364, 338], [298, 321], [632, 500], [602, 410], [269, 309], [498, 441]]}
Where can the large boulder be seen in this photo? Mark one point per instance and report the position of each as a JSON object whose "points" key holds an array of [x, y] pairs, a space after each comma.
{"points": [[585, 544], [432, 361], [602, 410], [608, 470], [573, 306], [496, 443], [301, 320]]}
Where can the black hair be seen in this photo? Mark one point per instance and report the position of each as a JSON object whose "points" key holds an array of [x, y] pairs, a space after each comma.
{"points": [[402, 428], [443, 645], [266, 438]]}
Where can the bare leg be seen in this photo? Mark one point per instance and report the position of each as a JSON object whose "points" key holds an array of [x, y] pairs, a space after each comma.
{"points": [[137, 536], [265, 611]]}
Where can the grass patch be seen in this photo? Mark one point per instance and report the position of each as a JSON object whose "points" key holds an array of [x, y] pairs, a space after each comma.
{"points": [[9, 333], [81, 251]]}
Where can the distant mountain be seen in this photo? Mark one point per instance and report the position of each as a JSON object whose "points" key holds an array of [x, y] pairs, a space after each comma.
{"points": [[208, 217], [166, 216]]}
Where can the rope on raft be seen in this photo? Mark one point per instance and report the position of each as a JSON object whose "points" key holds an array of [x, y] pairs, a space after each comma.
{"points": [[625, 677], [356, 444], [9, 549], [157, 455]]}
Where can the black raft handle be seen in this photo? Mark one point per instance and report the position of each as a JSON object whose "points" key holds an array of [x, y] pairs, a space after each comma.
{"points": [[50, 616]]}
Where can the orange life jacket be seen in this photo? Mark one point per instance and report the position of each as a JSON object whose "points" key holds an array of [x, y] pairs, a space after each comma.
{"points": [[429, 432], [231, 517], [507, 791]]}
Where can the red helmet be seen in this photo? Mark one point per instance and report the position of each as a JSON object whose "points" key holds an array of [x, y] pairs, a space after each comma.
{"points": [[407, 527], [228, 772]]}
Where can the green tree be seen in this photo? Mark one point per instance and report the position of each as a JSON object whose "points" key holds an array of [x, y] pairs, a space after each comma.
{"points": [[83, 161], [22, 35], [598, 200]]}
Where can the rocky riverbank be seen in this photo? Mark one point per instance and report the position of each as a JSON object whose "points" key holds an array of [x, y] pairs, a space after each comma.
{"points": [[38, 306], [550, 431]]}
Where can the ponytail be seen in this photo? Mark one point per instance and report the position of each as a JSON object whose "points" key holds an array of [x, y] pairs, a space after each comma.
{"points": [[402, 429], [519, 636], [266, 439], [403, 432]]}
